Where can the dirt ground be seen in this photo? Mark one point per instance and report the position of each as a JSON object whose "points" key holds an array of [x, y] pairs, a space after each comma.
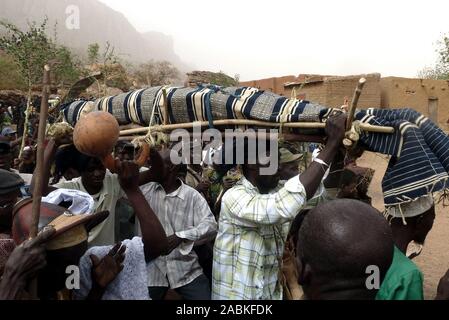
{"points": [[434, 259]]}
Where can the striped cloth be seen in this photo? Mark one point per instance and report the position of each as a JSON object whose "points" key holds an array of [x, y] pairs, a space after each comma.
{"points": [[419, 152], [199, 104], [419, 149]]}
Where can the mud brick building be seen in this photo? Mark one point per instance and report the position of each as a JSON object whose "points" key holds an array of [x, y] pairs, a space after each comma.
{"points": [[429, 97]]}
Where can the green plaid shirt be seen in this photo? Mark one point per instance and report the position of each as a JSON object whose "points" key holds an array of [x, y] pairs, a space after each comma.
{"points": [[252, 230]]}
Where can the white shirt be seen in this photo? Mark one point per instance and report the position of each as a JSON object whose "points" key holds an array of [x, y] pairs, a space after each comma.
{"points": [[411, 209], [183, 212], [106, 199]]}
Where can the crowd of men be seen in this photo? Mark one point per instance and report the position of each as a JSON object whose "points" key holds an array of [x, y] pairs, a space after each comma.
{"points": [[186, 231]]}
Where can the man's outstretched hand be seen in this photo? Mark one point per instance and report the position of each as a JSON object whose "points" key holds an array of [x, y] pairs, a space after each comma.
{"points": [[128, 173], [23, 264], [336, 127], [173, 242], [105, 270]]}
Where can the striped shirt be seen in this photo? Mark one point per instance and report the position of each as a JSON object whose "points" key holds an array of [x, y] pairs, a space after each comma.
{"points": [[183, 212], [252, 231]]}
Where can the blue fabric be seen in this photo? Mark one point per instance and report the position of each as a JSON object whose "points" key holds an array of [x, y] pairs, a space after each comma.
{"points": [[419, 149], [419, 152]]}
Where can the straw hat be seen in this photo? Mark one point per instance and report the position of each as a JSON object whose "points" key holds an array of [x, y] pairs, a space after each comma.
{"points": [[71, 229]]}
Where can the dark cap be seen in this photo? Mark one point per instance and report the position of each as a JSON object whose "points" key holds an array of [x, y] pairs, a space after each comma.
{"points": [[9, 181]]}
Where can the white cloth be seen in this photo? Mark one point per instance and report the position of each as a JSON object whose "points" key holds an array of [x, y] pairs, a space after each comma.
{"points": [[183, 212], [104, 233], [315, 155], [130, 283], [82, 202], [411, 209]]}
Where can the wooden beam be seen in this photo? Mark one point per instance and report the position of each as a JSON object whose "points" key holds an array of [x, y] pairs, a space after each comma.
{"points": [[302, 125]]}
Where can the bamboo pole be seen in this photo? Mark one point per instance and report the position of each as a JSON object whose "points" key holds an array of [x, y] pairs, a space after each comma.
{"points": [[165, 106], [355, 100], [37, 194], [303, 125], [254, 135], [25, 125]]}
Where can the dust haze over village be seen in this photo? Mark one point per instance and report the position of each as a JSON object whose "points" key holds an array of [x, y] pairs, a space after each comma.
{"points": [[106, 107]]}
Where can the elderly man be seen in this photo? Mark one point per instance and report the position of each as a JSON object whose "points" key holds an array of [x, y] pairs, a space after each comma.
{"points": [[253, 224], [188, 221]]}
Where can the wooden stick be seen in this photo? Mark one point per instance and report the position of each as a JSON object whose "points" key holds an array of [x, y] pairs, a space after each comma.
{"points": [[355, 100], [130, 126], [25, 125], [303, 125], [37, 194], [285, 137], [165, 110]]}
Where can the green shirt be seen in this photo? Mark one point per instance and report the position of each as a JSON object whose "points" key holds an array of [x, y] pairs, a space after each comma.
{"points": [[403, 281]]}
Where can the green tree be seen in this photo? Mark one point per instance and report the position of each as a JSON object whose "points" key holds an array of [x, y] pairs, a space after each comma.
{"points": [[441, 69], [114, 73], [10, 76], [67, 68], [31, 50], [93, 53], [157, 73]]}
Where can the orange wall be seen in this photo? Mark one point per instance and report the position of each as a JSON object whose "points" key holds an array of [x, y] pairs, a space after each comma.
{"points": [[389, 92], [275, 85]]}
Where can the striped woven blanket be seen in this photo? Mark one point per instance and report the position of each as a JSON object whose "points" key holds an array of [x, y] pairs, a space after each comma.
{"points": [[198, 104], [420, 150]]}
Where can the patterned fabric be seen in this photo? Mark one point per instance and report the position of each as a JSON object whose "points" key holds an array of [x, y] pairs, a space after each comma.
{"points": [[420, 159], [199, 104], [420, 153], [249, 246], [183, 212]]}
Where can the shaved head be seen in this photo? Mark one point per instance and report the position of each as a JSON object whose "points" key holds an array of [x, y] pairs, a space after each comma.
{"points": [[337, 241]]}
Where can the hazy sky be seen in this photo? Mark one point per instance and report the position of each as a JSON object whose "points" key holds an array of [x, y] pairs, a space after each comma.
{"points": [[260, 39]]}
